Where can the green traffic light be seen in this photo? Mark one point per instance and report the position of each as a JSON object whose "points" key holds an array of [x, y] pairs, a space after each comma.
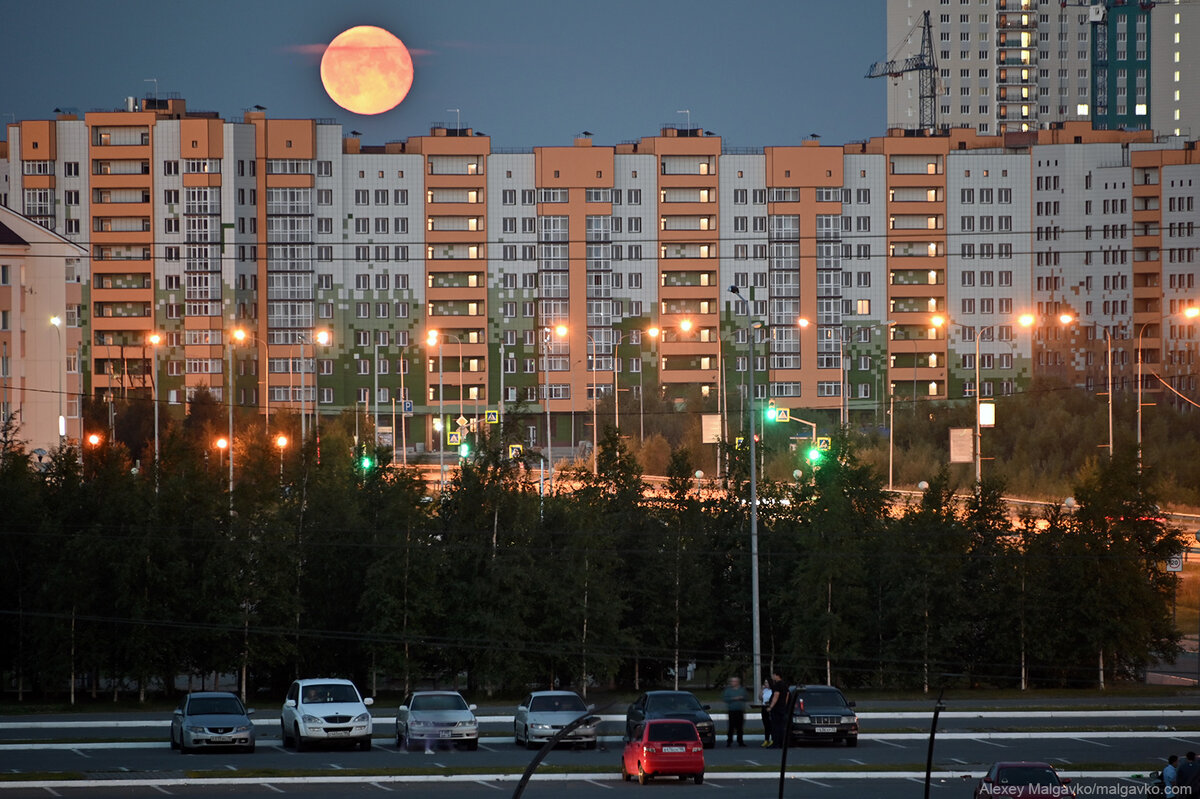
{"points": [[814, 455], [366, 463], [772, 412], [464, 450]]}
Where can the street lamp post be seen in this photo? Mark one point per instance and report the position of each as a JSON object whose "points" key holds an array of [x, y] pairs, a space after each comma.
{"points": [[282, 443], [237, 335], [1190, 313], [155, 339], [60, 367], [653, 334], [756, 655]]}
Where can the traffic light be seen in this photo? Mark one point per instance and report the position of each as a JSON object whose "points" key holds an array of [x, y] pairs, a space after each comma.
{"points": [[366, 462], [464, 450], [772, 411], [814, 455]]}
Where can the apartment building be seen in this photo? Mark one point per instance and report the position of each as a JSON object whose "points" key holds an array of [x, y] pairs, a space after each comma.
{"points": [[285, 264]]}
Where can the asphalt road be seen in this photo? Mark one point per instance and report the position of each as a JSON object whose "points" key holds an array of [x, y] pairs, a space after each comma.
{"points": [[133, 759]]}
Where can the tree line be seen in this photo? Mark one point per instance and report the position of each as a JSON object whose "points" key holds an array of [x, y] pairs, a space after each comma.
{"points": [[122, 576]]}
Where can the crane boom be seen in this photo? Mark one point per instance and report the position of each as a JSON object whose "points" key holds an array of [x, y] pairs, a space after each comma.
{"points": [[923, 62]]}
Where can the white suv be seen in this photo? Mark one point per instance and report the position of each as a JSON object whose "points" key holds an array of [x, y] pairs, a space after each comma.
{"points": [[325, 710]]}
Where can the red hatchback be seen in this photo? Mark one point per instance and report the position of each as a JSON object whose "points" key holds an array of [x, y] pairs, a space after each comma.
{"points": [[664, 748]]}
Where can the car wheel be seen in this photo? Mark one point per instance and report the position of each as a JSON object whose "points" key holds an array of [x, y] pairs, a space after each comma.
{"points": [[643, 777], [173, 744], [699, 779], [300, 745], [529, 742], [287, 740], [365, 744], [625, 775], [249, 749], [517, 738], [183, 749]]}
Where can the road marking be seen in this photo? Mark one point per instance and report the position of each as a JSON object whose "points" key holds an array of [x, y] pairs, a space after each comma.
{"points": [[599, 784], [889, 743], [958, 760], [337, 766], [752, 762], [382, 787], [1094, 743], [989, 743], [1185, 740], [273, 788], [80, 753], [817, 782], [52, 792], [489, 785], [488, 748], [231, 767], [161, 789], [861, 763]]}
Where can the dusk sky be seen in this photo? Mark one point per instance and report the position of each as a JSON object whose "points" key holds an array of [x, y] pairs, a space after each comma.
{"points": [[526, 72]]}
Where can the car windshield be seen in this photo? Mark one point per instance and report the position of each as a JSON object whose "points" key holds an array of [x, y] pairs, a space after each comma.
{"points": [[1028, 775], [557, 704], [822, 699], [329, 692], [215, 706], [672, 731], [438, 702], [673, 703]]}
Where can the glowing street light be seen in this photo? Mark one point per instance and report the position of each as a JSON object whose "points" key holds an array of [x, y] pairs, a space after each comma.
{"points": [[281, 441]]}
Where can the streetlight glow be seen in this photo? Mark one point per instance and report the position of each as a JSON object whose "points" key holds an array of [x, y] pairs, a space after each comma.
{"points": [[685, 325]]}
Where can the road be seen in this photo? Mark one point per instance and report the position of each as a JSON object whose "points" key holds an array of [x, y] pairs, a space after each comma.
{"points": [[105, 760]]}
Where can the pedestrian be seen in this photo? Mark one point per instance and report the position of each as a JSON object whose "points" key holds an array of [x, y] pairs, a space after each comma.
{"points": [[1189, 772], [1170, 776], [736, 698], [778, 710], [766, 713]]}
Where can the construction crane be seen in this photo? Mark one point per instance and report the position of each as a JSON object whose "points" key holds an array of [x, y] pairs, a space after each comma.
{"points": [[924, 63]]}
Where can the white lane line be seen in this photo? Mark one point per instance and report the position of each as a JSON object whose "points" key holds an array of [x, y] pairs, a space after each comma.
{"points": [[1185, 740], [52, 792], [889, 743], [80, 752], [231, 767], [856, 761], [959, 760], [161, 789], [489, 785], [273, 788], [817, 782], [599, 784], [382, 787], [337, 767], [752, 762], [989, 743], [1094, 743], [488, 748]]}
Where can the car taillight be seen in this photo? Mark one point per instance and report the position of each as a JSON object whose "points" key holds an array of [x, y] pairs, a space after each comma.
{"points": [[799, 705], [649, 750], [697, 748]]}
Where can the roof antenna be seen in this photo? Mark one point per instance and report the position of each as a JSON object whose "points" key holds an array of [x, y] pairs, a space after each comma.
{"points": [[155, 82]]}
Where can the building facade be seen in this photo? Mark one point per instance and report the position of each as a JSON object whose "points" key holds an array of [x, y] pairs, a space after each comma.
{"points": [[463, 279]]}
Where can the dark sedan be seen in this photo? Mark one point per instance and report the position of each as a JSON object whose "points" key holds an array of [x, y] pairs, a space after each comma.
{"points": [[671, 705], [823, 714], [1026, 780]]}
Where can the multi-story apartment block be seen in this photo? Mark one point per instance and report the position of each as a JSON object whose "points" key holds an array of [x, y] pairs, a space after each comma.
{"points": [[1015, 65], [463, 279]]}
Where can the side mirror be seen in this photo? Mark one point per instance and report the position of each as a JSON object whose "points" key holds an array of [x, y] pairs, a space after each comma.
{"points": [[852, 704], [707, 707], [987, 780], [290, 703], [368, 701], [471, 708], [178, 711], [591, 708], [402, 709], [249, 711], [592, 720]]}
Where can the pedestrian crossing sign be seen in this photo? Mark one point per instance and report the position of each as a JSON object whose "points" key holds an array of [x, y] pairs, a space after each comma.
{"points": [[514, 451], [783, 415], [454, 439], [492, 417]]}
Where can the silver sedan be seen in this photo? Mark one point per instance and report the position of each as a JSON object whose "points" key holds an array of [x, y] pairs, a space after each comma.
{"points": [[542, 714], [212, 719]]}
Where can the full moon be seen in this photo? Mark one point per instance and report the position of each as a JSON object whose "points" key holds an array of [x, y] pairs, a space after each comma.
{"points": [[366, 70]]}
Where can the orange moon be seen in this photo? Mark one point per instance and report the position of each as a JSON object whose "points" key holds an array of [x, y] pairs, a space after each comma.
{"points": [[366, 70]]}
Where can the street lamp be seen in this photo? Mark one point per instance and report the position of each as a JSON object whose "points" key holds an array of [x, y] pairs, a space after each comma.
{"points": [[560, 331], [155, 339], [282, 443], [60, 368], [237, 336], [1067, 319], [938, 321], [1190, 313], [653, 334], [222, 445], [756, 655], [437, 337]]}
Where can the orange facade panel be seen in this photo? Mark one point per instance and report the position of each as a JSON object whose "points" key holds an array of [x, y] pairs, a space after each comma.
{"points": [[39, 140], [807, 165], [202, 138], [289, 138], [588, 167]]}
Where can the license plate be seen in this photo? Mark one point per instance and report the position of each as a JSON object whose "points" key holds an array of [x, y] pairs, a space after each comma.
{"points": [[444, 733], [674, 748], [825, 730], [336, 733], [220, 739]]}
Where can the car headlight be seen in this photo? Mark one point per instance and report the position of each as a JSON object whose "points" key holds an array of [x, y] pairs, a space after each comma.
{"points": [[419, 723], [242, 728], [191, 728], [849, 719], [362, 718], [307, 719], [471, 723], [539, 726]]}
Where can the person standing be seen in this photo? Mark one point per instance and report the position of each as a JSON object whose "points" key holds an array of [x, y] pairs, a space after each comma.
{"points": [[736, 698], [778, 710], [1188, 773], [766, 712], [1170, 776]]}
